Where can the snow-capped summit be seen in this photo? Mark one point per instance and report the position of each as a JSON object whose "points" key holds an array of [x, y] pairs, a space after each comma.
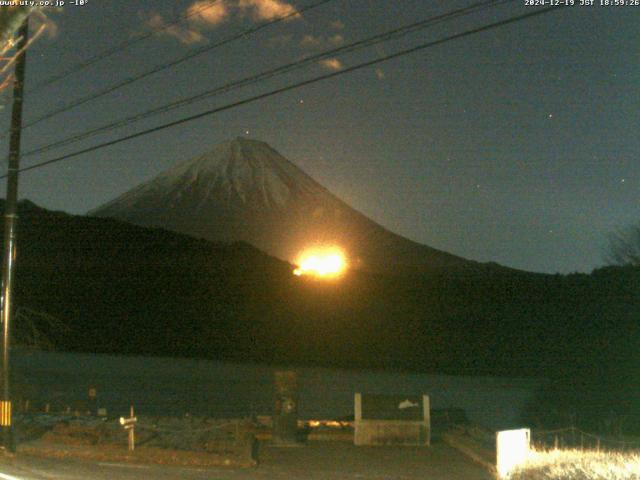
{"points": [[245, 171], [244, 190]]}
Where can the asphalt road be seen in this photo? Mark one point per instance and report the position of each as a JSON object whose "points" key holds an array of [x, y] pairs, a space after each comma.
{"points": [[314, 461]]}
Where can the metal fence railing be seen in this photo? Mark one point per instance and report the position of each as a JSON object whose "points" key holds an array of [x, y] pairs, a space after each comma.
{"points": [[573, 437]]}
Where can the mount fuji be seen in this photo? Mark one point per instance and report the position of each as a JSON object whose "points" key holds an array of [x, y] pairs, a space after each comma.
{"points": [[244, 190]]}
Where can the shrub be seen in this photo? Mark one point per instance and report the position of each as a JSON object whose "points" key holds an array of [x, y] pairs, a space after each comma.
{"points": [[579, 465]]}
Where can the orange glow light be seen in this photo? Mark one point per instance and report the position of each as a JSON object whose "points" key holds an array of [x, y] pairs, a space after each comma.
{"points": [[328, 262]]}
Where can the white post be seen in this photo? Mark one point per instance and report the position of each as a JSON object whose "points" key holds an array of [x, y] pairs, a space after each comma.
{"points": [[357, 414], [512, 450], [132, 435], [426, 409]]}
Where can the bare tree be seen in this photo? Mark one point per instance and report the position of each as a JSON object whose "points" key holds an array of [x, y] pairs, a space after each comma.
{"points": [[624, 246], [33, 324]]}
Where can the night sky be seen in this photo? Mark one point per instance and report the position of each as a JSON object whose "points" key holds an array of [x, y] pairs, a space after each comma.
{"points": [[518, 145]]}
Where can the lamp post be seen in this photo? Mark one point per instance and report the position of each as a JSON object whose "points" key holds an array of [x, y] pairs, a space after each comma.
{"points": [[10, 214]]}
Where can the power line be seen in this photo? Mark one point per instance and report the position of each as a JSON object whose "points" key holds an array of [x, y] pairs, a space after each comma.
{"points": [[367, 42], [294, 86], [118, 48], [173, 63]]}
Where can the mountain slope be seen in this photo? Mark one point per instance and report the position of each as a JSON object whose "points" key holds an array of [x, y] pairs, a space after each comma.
{"points": [[243, 190], [126, 289], [121, 288]]}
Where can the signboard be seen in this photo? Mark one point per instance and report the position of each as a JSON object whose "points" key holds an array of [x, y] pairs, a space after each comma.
{"points": [[392, 407], [392, 420]]}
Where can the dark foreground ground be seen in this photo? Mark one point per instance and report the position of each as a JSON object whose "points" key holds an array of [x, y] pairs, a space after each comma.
{"points": [[313, 461]]}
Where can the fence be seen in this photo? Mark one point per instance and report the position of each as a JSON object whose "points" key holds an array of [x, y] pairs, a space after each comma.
{"points": [[233, 438], [572, 437]]}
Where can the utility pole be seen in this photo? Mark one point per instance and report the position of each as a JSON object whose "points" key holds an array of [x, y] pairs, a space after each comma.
{"points": [[10, 215]]}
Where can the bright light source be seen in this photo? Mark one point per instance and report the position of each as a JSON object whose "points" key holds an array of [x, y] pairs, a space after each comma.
{"points": [[512, 450], [322, 262]]}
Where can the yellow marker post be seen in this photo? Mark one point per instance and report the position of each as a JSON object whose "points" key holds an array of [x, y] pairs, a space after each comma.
{"points": [[5, 413]]}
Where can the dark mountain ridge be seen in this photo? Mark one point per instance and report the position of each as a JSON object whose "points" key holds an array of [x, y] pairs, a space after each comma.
{"points": [[243, 190], [130, 289], [124, 289]]}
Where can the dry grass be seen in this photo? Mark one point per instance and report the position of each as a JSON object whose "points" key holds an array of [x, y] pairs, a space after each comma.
{"points": [[579, 465]]}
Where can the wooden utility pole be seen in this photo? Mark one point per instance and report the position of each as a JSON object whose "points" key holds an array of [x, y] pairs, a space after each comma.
{"points": [[10, 214]]}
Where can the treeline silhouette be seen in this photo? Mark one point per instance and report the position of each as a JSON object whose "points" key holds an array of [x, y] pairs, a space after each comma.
{"points": [[125, 289]]}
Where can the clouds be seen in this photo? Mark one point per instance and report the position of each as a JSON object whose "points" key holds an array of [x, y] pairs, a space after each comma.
{"points": [[267, 9], [310, 41], [331, 38], [200, 15], [321, 41], [326, 41], [204, 15], [336, 39], [183, 33], [331, 64]]}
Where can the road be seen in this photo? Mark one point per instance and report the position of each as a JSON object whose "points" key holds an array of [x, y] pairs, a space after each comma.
{"points": [[314, 461]]}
